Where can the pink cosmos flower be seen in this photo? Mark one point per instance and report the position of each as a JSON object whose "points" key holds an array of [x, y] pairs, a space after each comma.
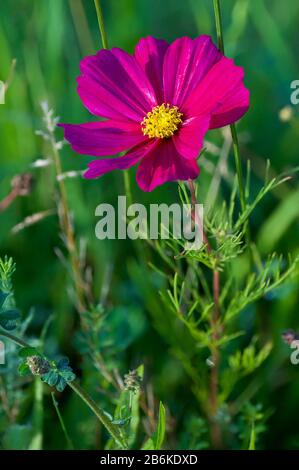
{"points": [[158, 104]]}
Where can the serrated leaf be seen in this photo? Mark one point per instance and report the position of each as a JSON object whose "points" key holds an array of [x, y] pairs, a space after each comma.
{"points": [[51, 378], [67, 374], [61, 384]]}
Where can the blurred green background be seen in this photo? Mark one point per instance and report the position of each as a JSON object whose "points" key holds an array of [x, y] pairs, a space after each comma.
{"points": [[48, 38]]}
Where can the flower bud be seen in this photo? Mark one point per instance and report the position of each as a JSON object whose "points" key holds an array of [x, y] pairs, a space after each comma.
{"points": [[38, 365]]}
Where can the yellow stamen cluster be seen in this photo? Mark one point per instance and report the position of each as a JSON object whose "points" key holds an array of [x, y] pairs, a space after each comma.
{"points": [[162, 121]]}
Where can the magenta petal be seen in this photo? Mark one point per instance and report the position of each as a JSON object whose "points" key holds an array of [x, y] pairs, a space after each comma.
{"points": [[113, 85], [232, 109], [164, 163], [186, 62], [221, 93], [150, 53], [100, 167], [102, 138], [189, 139]]}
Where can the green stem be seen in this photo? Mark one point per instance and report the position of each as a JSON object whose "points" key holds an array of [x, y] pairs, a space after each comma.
{"points": [[15, 339], [66, 434], [100, 414], [237, 155], [236, 148], [218, 20], [215, 429], [101, 24], [111, 428], [128, 187]]}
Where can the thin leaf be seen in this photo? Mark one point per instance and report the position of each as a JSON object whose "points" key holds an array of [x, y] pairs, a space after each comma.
{"points": [[160, 434], [252, 438]]}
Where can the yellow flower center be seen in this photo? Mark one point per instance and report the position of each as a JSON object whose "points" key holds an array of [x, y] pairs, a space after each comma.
{"points": [[162, 121]]}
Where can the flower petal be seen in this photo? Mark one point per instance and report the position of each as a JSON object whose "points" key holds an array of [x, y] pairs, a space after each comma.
{"points": [[100, 167], [221, 93], [189, 139], [150, 53], [186, 63], [103, 138], [232, 109], [164, 163], [113, 85]]}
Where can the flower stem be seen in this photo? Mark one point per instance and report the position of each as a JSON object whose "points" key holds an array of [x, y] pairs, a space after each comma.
{"points": [[101, 24], [215, 429], [236, 148], [66, 434], [111, 428], [218, 20], [128, 187], [14, 338], [238, 165], [98, 412]]}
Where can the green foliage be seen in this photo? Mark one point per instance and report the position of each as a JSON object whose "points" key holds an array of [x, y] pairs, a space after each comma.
{"points": [[248, 360], [252, 438], [241, 364], [3, 297], [109, 332], [8, 319], [127, 411], [257, 285], [227, 230], [59, 375], [152, 304], [17, 437], [161, 429], [155, 442], [7, 269], [8, 316], [54, 373], [197, 435], [252, 425], [28, 352]]}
